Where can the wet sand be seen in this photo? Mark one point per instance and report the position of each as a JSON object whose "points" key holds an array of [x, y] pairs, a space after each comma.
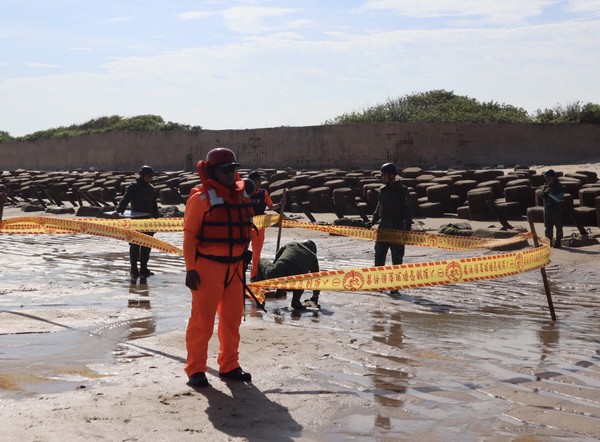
{"points": [[86, 355]]}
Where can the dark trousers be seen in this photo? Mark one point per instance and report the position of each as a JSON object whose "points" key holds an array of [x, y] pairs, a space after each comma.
{"points": [[553, 219], [381, 248], [139, 253]]}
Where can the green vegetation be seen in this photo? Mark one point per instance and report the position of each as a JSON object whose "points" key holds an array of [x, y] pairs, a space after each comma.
{"points": [[436, 106], [114, 123], [440, 106], [5, 137], [571, 113]]}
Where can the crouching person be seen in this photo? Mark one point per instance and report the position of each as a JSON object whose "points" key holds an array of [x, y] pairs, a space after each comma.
{"points": [[295, 258]]}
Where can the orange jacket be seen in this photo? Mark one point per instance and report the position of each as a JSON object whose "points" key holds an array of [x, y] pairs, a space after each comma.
{"points": [[217, 220]]}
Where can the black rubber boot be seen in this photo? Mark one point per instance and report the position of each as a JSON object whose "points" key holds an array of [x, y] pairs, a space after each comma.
{"points": [[237, 374], [198, 380], [296, 304], [144, 258], [144, 270], [133, 258]]}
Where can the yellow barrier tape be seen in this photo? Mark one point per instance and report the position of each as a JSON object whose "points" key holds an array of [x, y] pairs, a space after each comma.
{"points": [[396, 277], [42, 224], [264, 221], [407, 276], [411, 237], [33, 225]]}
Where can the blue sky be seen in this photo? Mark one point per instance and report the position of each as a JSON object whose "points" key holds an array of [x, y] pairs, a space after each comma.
{"points": [[257, 63]]}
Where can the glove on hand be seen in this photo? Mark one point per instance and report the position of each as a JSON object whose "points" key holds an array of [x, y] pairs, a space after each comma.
{"points": [[192, 279]]}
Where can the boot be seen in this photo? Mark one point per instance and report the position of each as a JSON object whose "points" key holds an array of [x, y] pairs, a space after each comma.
{"points": [[133, 258], [144, 258], [144, 271], [237, 374], [296, 304]]}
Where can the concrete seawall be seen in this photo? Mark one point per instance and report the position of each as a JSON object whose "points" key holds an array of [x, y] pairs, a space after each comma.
{"points": [[311, 147]]}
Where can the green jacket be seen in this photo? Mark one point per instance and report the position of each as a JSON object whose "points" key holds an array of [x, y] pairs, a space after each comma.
{"points": [[553, 194], [394, 206], [292, 259], [142, 197]]}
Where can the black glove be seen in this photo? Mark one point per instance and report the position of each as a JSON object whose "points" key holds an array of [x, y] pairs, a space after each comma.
{"points": [[192, 279], [247, 257]]}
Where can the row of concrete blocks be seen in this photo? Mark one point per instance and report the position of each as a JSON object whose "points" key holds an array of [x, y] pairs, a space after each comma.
{"points": [[466, 193]]}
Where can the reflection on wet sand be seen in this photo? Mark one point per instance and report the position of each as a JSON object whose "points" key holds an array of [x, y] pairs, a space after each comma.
{"points": [[462, 362]]}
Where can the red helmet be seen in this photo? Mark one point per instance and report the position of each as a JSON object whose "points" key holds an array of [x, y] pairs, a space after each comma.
{"points": [[220, 156]]}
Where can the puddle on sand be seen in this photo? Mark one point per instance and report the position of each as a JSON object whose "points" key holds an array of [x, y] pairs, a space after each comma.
{"points": [[461, 362], [465, 362], [52, 362], [78, 273]]}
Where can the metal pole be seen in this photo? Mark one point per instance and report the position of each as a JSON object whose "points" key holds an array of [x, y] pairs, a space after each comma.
{"points": [[543, 271], [281, 207]]}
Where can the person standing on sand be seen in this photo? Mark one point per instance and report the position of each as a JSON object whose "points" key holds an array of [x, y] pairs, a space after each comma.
{"points": [[261, 200], [216, 235], [553, 194], [393, 211], [142, 197]]}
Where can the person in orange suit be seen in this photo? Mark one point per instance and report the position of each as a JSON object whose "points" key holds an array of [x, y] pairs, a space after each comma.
{"points": [[216, 235], [261, 200]]}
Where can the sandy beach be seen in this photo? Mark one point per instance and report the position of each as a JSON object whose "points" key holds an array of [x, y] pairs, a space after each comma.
{"points": [[88, 356]]}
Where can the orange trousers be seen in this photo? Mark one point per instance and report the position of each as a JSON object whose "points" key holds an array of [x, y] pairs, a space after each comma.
{"points": [[258, 239], [211, 298]]}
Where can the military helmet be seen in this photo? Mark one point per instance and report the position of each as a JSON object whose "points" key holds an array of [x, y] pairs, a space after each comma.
{"points": [[310, 244], [254, 175], [146, 170], [389, 168], [249, 186]]}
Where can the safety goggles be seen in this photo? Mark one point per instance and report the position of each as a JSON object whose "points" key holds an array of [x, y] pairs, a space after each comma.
{"points": [[228, 168]]}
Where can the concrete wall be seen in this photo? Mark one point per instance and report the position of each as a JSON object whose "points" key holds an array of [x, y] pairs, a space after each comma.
{"points": [[348, 147]]}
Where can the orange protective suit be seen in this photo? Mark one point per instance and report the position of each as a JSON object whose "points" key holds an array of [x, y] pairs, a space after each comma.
{"points": [[260, 201], [216, 233]]}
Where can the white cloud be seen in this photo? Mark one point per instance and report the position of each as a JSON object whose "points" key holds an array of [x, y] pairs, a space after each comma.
{"points": [[120, 19], [490, 11], [285, 77], [585, 6], [248, 19], [195, 15], [40, 65]]}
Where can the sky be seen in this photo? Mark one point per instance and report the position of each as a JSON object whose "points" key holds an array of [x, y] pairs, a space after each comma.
{"points": [[244, 64]]}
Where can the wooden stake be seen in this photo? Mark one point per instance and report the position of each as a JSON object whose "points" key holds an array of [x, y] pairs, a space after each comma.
{"points": [[361, 212], [543, 271], [304, 209], [3, 198], [571, 211], [281, 207], [492, 205]]}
